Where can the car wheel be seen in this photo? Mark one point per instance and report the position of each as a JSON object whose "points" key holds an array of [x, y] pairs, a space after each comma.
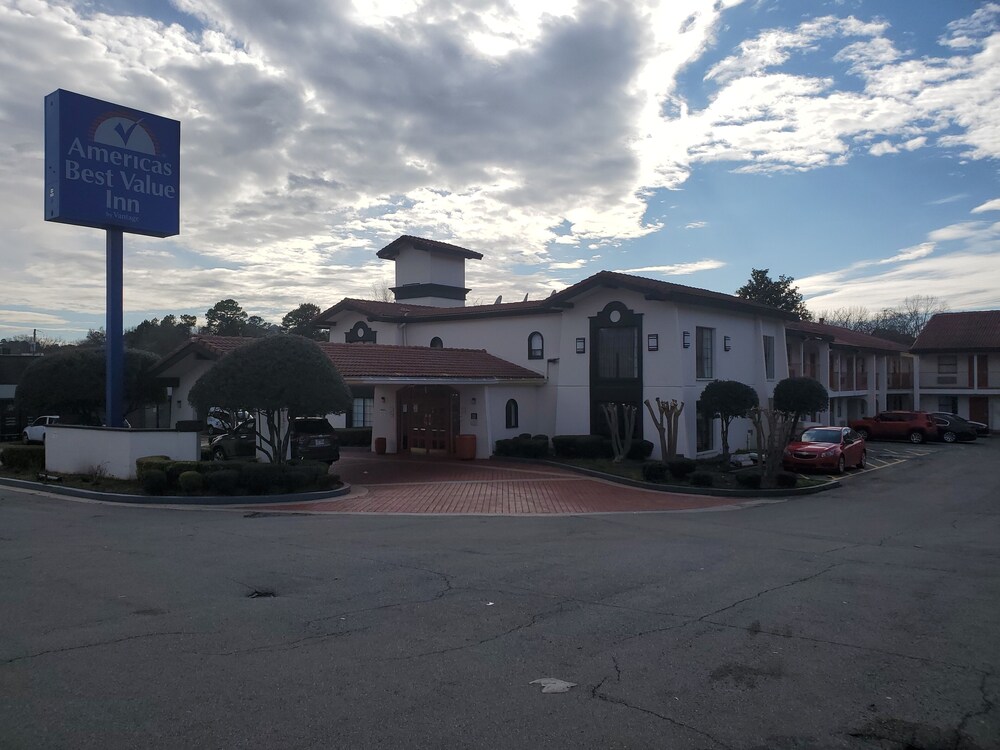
{"points": [[865, 435], [949, 437], [841, 464], [219, 454], [24, 437], [864, 459], [916, 437]]}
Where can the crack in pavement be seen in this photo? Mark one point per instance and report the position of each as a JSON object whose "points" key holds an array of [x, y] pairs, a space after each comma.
{"points": [[97, 644], [987, 705], [285, 645], [595, 693], [535, 618]]}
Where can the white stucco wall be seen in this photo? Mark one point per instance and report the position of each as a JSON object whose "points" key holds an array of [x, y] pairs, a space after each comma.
{"points": [[71, 449], [423, 267]]}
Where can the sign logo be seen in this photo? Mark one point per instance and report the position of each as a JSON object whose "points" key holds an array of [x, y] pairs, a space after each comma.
{"points": [[108, 166]]}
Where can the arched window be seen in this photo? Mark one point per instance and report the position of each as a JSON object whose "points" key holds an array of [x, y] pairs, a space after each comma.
{"points": [[536, 346], [511, 413], [437, 343]]}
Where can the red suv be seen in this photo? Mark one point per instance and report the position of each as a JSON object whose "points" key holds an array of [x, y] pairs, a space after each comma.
{"points": [[915, 426]]}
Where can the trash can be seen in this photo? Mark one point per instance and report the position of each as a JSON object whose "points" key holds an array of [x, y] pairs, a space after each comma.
{"points": [[380, 446], [465, 447]]}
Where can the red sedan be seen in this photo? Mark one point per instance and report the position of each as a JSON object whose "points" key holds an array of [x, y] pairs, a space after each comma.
{"points": [[826, 448]]}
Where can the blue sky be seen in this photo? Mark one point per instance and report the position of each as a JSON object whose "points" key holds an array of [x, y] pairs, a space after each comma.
{"points": [[852, 145]]}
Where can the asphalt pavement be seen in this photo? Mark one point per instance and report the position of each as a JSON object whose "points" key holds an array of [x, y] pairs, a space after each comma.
{"points": [[863, 617]]}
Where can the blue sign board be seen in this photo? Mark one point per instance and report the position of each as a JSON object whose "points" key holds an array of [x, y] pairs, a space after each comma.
{"points": [[111, 167]]}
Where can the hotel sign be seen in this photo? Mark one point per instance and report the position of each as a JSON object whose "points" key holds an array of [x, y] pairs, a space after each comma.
{"points": [[111, 167]]}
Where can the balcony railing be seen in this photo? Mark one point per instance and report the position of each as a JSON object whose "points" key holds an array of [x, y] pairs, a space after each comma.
{"points": [[900, 380]]}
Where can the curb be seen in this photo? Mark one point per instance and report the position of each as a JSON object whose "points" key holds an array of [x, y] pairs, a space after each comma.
{"points": [[196, 500], [676, 488]]}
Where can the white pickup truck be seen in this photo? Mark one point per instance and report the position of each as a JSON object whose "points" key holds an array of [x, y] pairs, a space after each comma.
{"points": [[35, 432]]}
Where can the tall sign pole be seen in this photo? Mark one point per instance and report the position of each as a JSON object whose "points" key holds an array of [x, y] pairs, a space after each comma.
{"points": [[114, 168]]}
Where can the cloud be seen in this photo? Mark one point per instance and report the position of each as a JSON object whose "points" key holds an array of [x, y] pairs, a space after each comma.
{"points": [[20, 318], [678, 269], [696, 225], [993, 205], [566, 265], [911, 253]]}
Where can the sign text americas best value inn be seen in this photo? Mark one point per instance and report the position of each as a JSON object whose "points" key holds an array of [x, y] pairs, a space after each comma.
{"points": [[111, 167]]}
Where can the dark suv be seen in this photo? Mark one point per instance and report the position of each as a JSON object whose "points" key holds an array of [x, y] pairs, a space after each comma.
{"points": [[309, 437], [915, 426], [314, 438]]}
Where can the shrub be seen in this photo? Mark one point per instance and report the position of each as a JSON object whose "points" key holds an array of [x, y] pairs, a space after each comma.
{"points": [[528, 447], [145, 463], [174, 469], [504, 447], [701, 479], [581, 446], [23, 457], [223, 481], [540, 437], [524, 436], [191, 482], [786, 479], [680, 468], [154, 481], [654, 471], [259, 479], [359, 437], [640, 450], [749, 480]]}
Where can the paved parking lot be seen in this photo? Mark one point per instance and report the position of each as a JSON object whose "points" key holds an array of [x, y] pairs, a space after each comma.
{"points": [[882, 455]]}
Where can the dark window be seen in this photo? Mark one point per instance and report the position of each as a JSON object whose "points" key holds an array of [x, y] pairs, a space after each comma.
{"points": [[618, 352], [437, 343], [536, 346], [704, 352], [947, 364], [361, 413], [705, 437], [511, 413], [769, 357]]}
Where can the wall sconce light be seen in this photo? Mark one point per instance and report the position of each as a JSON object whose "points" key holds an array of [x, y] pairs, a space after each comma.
{"points": [[383, 399], [581, 346], [473, 400], [653, 342], [687, 339], [727, 343]]}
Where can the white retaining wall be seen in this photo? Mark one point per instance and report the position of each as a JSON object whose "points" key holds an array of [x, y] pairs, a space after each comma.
{"points": [[72, 449]]}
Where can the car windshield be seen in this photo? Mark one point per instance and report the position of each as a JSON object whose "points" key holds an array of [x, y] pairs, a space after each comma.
{"points": [[312, 426], [821, 436]]}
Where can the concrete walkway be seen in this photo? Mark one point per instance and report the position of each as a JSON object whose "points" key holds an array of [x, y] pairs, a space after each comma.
{"points": [[404, 484]]}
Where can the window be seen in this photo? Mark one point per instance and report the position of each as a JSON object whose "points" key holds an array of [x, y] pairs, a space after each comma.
{"points": [[511, 411], [769, 357], [361, 412], [948, 404], [704, 350], [437, 343], [536, 347], [618, 352], [705, 428], [947, 364]]}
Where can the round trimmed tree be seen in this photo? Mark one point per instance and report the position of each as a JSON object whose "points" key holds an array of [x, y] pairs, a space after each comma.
{"points": [[729, 399], [289, 374], [800, 396]]}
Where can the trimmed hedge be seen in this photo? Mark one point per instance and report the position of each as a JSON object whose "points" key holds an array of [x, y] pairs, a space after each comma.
{"points": [[640, 450], [355, 437], [749, 480], [654, 471], [23, 457], [680, 468], [786, 479], [702, 479], [523, 447], [581, 446], [160, 475]]}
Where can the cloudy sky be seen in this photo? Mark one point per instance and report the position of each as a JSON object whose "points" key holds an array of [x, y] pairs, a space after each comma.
{"points": [[852, 145]]}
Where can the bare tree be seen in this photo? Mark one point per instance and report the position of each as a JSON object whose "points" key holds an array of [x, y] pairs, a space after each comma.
{"points": [[381, 291], [621, 431], [666, 417], [904, 321]]}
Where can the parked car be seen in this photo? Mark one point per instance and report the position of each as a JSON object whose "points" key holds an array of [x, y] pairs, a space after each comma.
{"points": [[221, 420], [309, 438], [952, 428], [982, 430], [915, 426], [238, 443], [35, 432], [826, 448], [314, 438]]}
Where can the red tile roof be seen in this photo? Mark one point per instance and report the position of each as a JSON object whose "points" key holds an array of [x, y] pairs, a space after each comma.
{"points": [[375, 361], [398, 312], [845, 336], [391, 251], [960, 331]]}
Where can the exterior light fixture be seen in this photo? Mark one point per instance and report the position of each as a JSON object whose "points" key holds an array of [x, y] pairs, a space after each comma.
{"points": [[687, 339], [653, 342], [581, 346], [727, 343]]}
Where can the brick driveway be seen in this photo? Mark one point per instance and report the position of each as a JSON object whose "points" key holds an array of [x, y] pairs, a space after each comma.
{"points": [[404, 484]]}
